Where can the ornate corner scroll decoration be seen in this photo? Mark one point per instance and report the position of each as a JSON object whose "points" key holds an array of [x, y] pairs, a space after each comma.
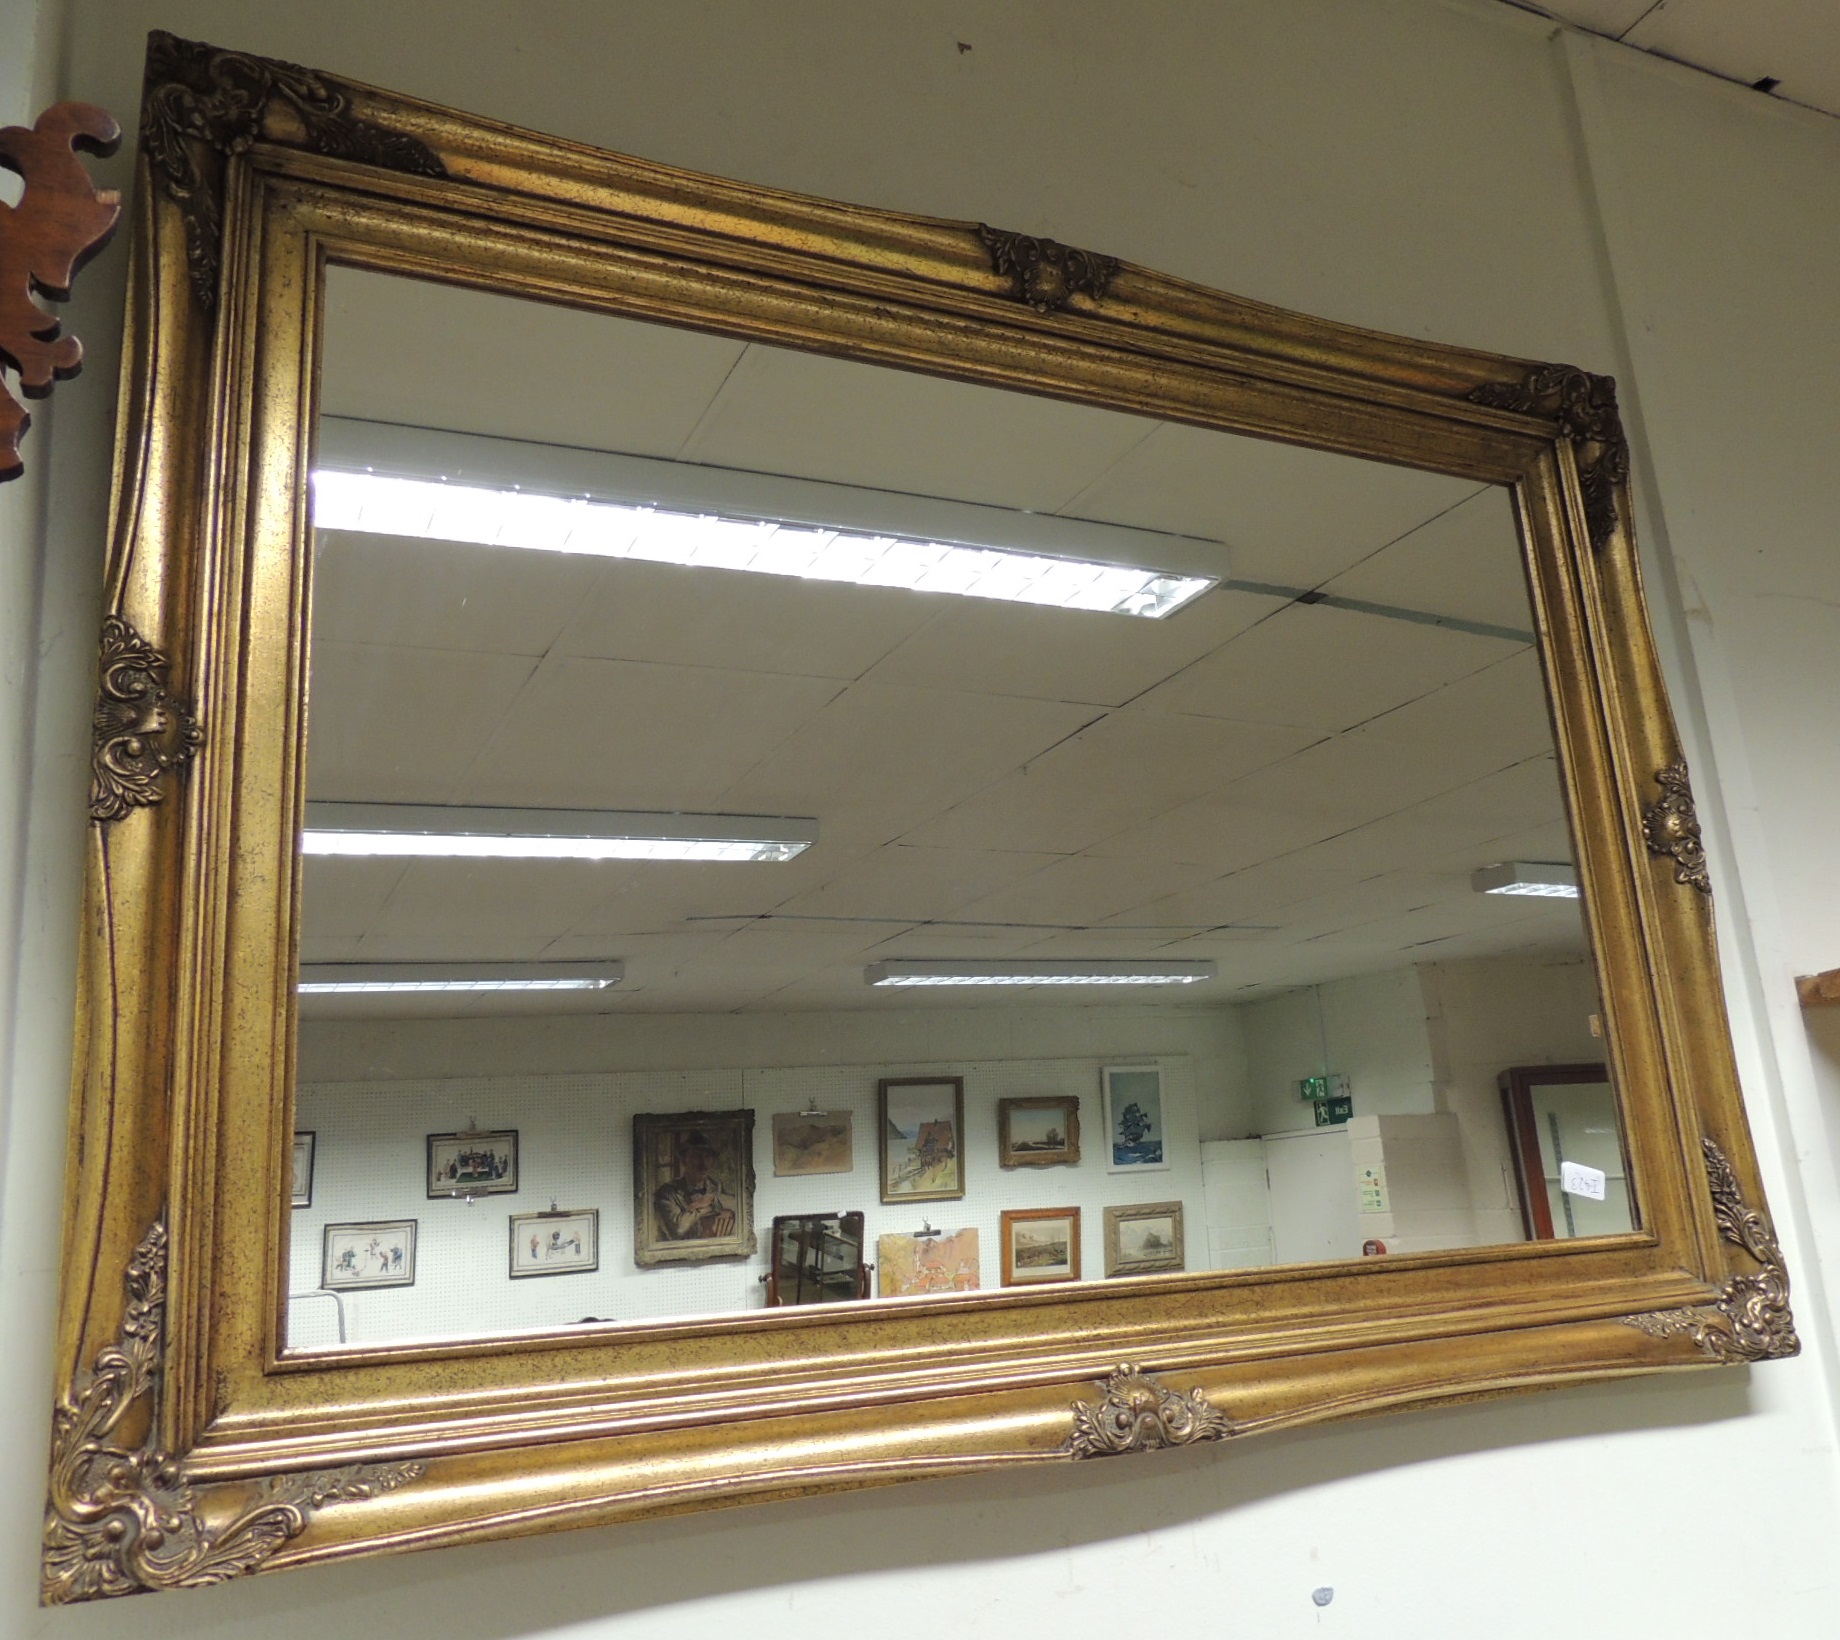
{"points": [[1137, 1414], [1047, 274], [141, 732], [61, 221], [1671, 827], [125, 1520], [199, 95], [1585, 408], [1751, 1320]]}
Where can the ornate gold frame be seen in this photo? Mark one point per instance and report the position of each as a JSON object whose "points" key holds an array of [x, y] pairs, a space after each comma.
{"points": [[188, 1447]]}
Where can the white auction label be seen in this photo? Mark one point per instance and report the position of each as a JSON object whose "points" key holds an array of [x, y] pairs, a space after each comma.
{"points": [[1578, 1180]]}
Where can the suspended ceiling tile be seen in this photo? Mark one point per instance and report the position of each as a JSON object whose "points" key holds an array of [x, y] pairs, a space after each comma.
{"points": [[522, 901], [651, 959], [662, 896], [943, 944], [1121, 771], [1501, 708], [1219, 832], [429, 355], [896, 756], [329, 947], [1423, 836], [1465, 563], [1066, 654], [913, 884], [1289, 516], [388, 725], [344, 895], [1252, 895], [1086, 889], [816, 417], [634, 735], [1320, 668], [1746, 40], [1551, 842], [387, 589], [1357, 777], [1601, 16], [744, 621], [1517, 798], [382, 1007]]}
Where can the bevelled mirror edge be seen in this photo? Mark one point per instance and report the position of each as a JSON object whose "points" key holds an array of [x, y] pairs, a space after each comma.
{"points": [[145, 1245]]}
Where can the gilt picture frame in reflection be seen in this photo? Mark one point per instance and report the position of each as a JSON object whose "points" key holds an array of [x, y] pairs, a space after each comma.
{"points": [[1134, 1137], [693, 1186], [922, 1138], [305, 1142], [473, 1164], [1144, 1239], [1039, 1131]]}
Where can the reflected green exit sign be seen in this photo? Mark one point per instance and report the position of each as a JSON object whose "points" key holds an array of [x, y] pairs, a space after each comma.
{"points": [[1334, 1112], [1323, 1087]]}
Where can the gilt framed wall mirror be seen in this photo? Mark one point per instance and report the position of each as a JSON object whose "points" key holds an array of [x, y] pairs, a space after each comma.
{"points": [[637, 707]]}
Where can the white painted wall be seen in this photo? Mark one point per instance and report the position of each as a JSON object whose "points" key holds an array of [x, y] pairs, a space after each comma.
{"points": [[1436, 167], [575, 1149], [1486, 1015], [1370, 1029]]}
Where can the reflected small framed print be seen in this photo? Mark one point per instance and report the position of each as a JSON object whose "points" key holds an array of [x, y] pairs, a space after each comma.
{"points": [[555, 1243], [378, 1254], [1040, 1244], [473, 1164], [304, 1143], [1134, 1119], [1144, 1239], [812, 1141]]}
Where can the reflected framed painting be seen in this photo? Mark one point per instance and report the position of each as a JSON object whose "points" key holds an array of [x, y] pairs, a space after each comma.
{"points": [[812, 1141], [1134, 1140], [1144, 1239], [304, 1144], [922, 1138], [1039, 1131], [693, 1186]]}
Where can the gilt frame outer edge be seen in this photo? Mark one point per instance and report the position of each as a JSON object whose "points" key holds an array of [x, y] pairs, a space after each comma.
{"points": [[151, 1029]]}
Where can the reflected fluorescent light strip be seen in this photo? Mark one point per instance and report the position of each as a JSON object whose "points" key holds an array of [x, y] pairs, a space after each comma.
{"points": [[550, 834], [381, 504], [915, 973], [376, 978], [1545, 880]]}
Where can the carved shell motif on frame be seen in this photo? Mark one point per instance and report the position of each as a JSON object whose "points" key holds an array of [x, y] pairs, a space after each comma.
{"points": [[189, 1446]]}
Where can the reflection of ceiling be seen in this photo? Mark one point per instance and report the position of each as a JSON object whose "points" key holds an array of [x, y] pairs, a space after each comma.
{"points": [[1294, 790]]}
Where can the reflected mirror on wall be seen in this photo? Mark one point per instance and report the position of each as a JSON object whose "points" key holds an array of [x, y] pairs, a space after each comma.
{"points": [[1568, 1151], [700, 726]]}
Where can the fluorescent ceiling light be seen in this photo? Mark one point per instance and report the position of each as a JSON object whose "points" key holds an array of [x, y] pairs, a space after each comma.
{"points": [[372, 978], [383, 504], [550, 834], [1037, 973], [1546, 880]]}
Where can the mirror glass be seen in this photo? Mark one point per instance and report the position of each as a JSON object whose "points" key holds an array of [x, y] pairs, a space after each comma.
{"points": [[817, 1259], [744, 784]]}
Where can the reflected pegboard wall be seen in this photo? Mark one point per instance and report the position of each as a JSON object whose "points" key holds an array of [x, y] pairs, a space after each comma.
{"points": [[575, 1149]]}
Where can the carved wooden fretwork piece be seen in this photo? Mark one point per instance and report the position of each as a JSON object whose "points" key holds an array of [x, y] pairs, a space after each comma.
{"points": [[60, 222], [1045, 273], [1752, 1320], [1585, 408], [198, 97], [141, 732], [1137, 1414], [124, 1520], [1671, 827]]}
